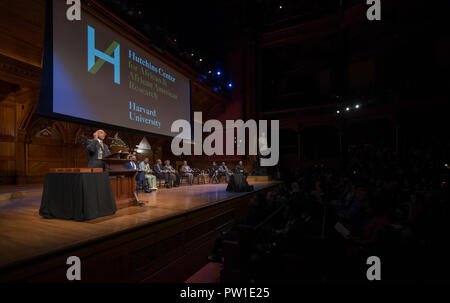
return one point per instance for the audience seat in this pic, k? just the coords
(232, 262)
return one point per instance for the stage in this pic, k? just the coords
(139, 243)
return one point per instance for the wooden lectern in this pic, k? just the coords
(123, 181)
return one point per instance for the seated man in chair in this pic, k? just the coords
(174, 177)
(212, 172)
(223, 171)
(144, 167)
(160, 173)
(186, 171)
(131, 165)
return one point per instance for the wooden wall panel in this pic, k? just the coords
(43, 151)
(42, 155)
(7, 119)
(80, 156)
(22, 25)
(40, 168)
(7, 149)
(7, 170)
(7, 162)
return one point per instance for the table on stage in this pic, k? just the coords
(82, 194)
(77, 195)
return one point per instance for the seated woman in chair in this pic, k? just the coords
(240, 169)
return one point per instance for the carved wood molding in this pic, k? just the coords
(29, 101)
(20, 73)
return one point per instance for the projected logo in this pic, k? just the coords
(94, 66)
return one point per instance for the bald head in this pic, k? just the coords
(100, 134)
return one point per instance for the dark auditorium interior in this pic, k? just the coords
(364, 144)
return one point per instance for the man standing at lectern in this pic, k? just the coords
(97, 150)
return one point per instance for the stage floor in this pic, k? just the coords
(25, 235)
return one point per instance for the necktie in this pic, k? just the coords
(101, 143)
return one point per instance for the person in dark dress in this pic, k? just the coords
(240, 169)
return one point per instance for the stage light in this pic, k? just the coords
(230, 84)
(192, 54)
(219, 73)
(357, 106)
(347, 109)
(209, 72)
(338, 111)
(281, 6)
(200, 59)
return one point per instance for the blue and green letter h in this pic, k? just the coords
(93, 66)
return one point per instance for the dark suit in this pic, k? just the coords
(129, 165)
(92, 148)
(213, 170)
(159, 174)
(239, 168)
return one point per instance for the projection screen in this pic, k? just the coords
(96, 74)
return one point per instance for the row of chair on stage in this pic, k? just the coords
(148, 176)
